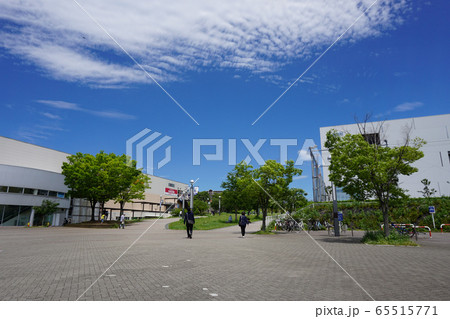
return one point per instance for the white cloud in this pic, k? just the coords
(74, 107)
(171, 37)
(51, 116)
(61, 105)
(407, 106)
(404, 107)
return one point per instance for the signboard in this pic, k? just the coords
(431, 209)
(195, 190)
(171, 191)
(340, 217)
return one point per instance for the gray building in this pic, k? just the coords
(434, 166)
(30, 174)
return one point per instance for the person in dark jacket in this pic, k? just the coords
(189, 220)
(243, 221)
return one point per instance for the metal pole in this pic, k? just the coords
(160, 204)
(182, 198)
(434, 224)
(192, 195)
(335, 212)
(219, 204)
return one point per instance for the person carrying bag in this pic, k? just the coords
(189, 220)
(243, 221)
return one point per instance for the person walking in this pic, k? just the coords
(122, 221)
(189, 220)
(243, 221)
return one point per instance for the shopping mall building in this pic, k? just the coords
(30, 174)
(434, 166)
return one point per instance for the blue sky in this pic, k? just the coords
(68, 84)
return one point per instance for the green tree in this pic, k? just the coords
(95, 178)
(295, 199)
(133, 184)
(81, 176)
(200, 207)
(427, 192)
(47, 207)
(203, 196)
(368, 170)
(273, 180)
(238, 189)
(215, 202)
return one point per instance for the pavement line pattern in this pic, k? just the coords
(315, 241)
(129, 247)
(118, 258)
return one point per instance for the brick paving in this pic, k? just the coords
(61, 263)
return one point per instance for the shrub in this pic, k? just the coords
(175, 212)
(394, 238)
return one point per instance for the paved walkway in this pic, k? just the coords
(61, 263)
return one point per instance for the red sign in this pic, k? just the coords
(171, 191)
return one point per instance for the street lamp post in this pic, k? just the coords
(192, 195)
(182, 199)
(335, 212)
(335, 208)
(219, 204)
(160, 204)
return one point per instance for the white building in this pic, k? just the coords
(30, 174)
(434, 166)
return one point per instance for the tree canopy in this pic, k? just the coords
(133, 184)
(247, 188)
(103, 177)
(47, 207)
(369, 170)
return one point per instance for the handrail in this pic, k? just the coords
(429, 229)
(442, 227)
(382, 225)
(414, 226)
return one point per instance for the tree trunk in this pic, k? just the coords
(122, 204)
(385, 210)
(93, 203)
(101, 209)
(263, 227)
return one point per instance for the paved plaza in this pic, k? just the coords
(60, 263)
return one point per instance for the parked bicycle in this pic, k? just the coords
(288, 224)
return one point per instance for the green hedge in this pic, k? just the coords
(368, 216)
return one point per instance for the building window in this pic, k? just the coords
(3, 189)
(52, 194)
(449, 156)
(373, 138)
(16, 190)
(171, 185)
(42, 192)
(29, 191)
(10, 214)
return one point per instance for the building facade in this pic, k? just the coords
(434, 166)
(30, 174)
